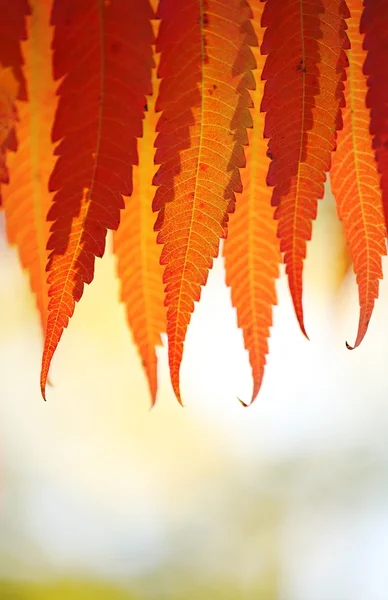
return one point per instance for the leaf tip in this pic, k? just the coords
(43, 389)
(179, 398)
(300, 317)
(44, 374)
(177, 392)
(362, 329)
(356, 343)
(245, 404)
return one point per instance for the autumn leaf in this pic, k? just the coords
(26, 199)
(374, 25)
(304, 74)
(13, 82)
(251, 250)
(355, 181)
(103, 52)
(205, 70)
(138, 254)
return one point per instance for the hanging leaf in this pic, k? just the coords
(26, 199)
(138, 254)
(205, 69)
(355, 181)
(103, 52)
(304, 75)
(251, 250)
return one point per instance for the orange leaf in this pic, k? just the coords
(251, 250)
(138, 255)
(355, 181)
(205, 69)
(26, 199)
(12, 32)
(374, 24)
(305, 67)
(103, 51)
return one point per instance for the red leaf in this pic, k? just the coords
(374, 24)
(103, 51)
(305, 69)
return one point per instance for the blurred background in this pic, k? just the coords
(287, 500)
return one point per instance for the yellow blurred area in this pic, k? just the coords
(94, 591)
(62, 591)
(286, 500)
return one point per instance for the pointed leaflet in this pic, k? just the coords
(355, 181)
(305, 67)
(12, 32)
(205, 69)
(26, 199)
(374, 24)
(103, 51)
(251, 249)
(138, 255)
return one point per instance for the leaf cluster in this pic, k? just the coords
(180, 123)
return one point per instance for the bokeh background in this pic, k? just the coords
(287, 500)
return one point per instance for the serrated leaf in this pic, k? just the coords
(304, 73)
(103, 52)
(138, 254)
(251, 250)
(355, 181)
(26, 198)
(205, 69)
